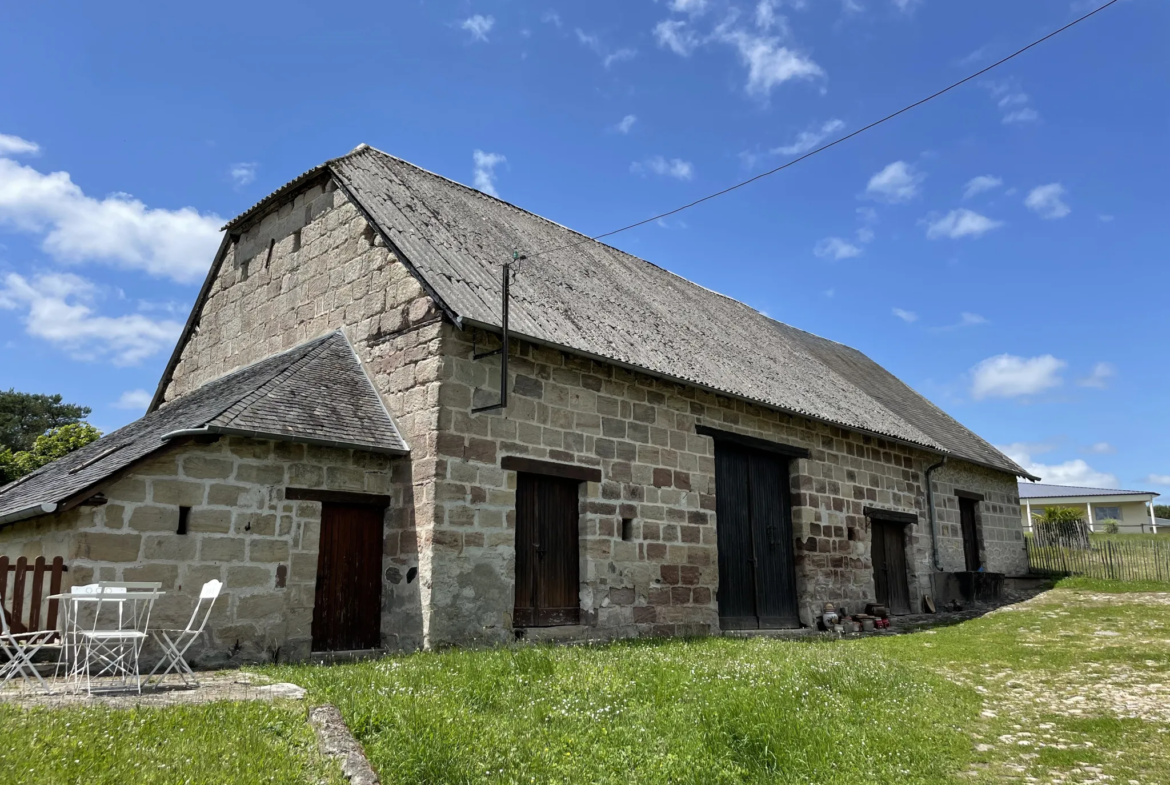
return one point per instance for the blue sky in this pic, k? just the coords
(1002, 249)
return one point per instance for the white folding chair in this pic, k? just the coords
(174, 643)
(113, 650)
(19, 648)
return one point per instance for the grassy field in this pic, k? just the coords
(210, 745)
(1070, 687)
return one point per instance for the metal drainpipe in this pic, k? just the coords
(930, 512)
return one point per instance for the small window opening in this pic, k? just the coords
(268, 258)
(411, 574)
(244, 269)
(297, 240)
(368, 234)
(627, 529)
(184, 514)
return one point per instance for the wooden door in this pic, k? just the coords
(548, 592)
(890, 578)
(970, 534)
(757, 575)
(348, 611)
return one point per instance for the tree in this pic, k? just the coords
(47, 448)
(26, 416)
(1059, 515)
(1162, 510)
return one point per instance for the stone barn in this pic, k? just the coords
(344, 439)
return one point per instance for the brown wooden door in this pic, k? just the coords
(890, 579)
(348, 611)
(547, 552)
(970, 534)
(753, 525)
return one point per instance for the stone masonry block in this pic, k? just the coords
(102, 547)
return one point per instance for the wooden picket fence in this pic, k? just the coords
(1137, 560)
(22, 603)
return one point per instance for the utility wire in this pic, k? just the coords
(834, 143)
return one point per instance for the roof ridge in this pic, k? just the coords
(227, 415)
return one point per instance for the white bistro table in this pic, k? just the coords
(104, 626)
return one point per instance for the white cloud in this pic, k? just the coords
(244, 173)
(1099, 378)
(766, 17)
(479, 26)
(1101, 448)
(59, 311)
(865, 235)
(1047, 201)
(1105, 219)
(675, 35)
(1009, 376)
(118, 229)
(906, 316)
(1157, 479)
(485, 170)
(836, 249)
(977, 185)
(1075, 472)
(960, 223)
(675, 167)
(618, 56)
(551, 18)
(769, 63)
(898, 182)
(14, 145)
(626, 124)
(692, 7)
(807, 140)
(133, 399)
(607, 58)
(971, 319)
(1013, 102)
(906, 6)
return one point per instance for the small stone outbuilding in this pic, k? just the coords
(328, 439)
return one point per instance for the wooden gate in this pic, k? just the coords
(757, 572)
(888, 549)
(348, 611)
(970, 534)
(22, 605)
(547, 551)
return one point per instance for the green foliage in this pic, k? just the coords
(25, 416)
(47, 448)
(1162, 511)
(1109, 526)
(1059, 515)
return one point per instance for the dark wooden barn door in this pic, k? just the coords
(891, 582)
(757, 575)
(348, 611)
(547, 552)
(970, 534)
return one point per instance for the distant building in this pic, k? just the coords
(1133, 510)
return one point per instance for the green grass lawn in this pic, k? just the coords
(214, 744)
(1073, 686)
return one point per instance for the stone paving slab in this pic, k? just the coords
(217, 686)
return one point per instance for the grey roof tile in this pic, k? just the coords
(1030, 490)
(316, 392)
(589, 297)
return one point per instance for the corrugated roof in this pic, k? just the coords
(1038, 490)
(315, 393)
(598, 300)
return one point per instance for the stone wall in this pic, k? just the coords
(241, 530)
(997, 518)
(658, 473)
(327, 269)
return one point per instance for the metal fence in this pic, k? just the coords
(1136, 560)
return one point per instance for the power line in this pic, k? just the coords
(834, 143)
